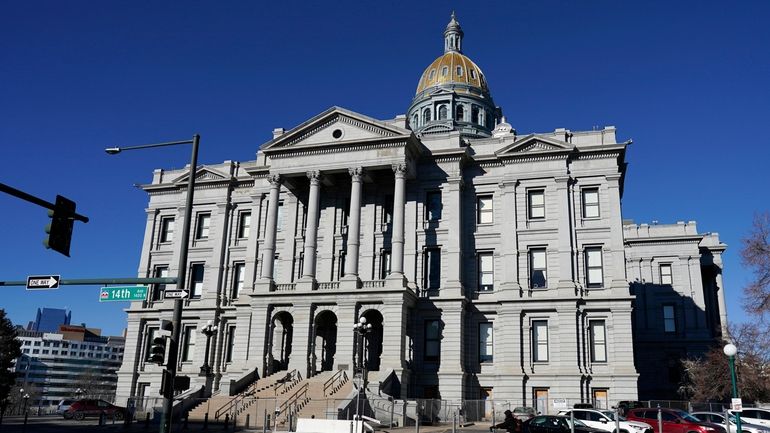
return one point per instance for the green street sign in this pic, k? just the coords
(123, 293)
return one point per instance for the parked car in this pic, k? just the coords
(674, 421)
(61, 408)
(555, 424)
(524, 413)
(582, 406)
(604, 420)
(625, 405)
(755, 415)
(90, 407)
(719, 418)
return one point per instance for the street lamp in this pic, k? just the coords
(168, 401)
(730, 350)
(26, 399)
(361, 329)
(21, 397)
(209, 330)
(78, 393)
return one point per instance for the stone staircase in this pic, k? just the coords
(217, 406)
(315, 397)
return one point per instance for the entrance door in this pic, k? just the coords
(325, 340)
(489, 404)
(540, 396)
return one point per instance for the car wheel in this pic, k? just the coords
(117, 415)
(67, 415)
(78, 416)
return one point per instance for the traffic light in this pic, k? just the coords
(60, 228)
(158, 350)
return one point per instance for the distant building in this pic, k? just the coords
(49, 320)
(54, 365)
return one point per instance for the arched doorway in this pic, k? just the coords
(281, 332)
(325, 342)
(373, 341)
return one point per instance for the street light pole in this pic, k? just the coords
(171, 366)
(361, 329)
(209, 330)
(730, 350)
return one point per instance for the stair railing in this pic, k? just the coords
(301, 393)
(339, 378)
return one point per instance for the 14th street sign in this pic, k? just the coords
(43, 282)
(125, 293)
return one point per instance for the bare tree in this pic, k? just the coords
(756, 256)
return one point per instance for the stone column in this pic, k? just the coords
(720, 287)
(354, 224)
(566, 284)
(618, 281)
(452, 251)
(509, 255)
(268, 254)
(311, 231)
(304, 318)
(397, 239)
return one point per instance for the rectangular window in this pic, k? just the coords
(666, 276)
(594, 273)
(538, 276)
(484, 209)
(166, 229)
(202, 226)
(432, 268)
(244, 224)
(486, 342)
(230, 344)
(196, 280)
(151, 332)
(341, 267)
(433, 206)
(601, 399)
(160, 271)
(669, 318)
(188, 343)
(279, 220)
(384, 264)
(540, 341)
(432, 340)
(387, 210)
(238, 276)
(536, 204)
(598, 341)
(486, 271)
(590, 202)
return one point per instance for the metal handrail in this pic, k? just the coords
(294, 397)
(340, 376)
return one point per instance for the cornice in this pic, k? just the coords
(373, 143)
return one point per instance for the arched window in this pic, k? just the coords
(426, 116)
(415, 120)
(481, 117)
(473, 74)
(459, 71)
(432, 74)
(475, 114)
(444, 71)
(442, 112)
(460, 113)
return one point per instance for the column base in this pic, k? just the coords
(350, 282)
(509, 291)
(395, 280)
(306, 284)
(453, 289)
(567, 288)
(264, 285)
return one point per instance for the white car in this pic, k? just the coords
(719, 418)
(605, 420)
(755, 415)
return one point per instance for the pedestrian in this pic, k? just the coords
(511, 424)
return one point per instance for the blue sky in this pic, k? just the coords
(687, 81)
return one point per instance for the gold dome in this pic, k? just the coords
(452, 68)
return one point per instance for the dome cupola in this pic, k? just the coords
(452, 94)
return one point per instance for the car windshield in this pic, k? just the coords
(686, 416)
(611, 415)
(578, 423)
(522, 410)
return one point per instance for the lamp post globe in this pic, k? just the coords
(730, 349)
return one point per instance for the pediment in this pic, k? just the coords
(332, 127)
(203, 174)
(535, 144)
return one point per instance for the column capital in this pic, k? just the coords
(274, 179)
(314, 176)
(399, 168)
(356, 173)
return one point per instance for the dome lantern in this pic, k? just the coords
(453, 36)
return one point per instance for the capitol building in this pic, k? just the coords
(491, 263)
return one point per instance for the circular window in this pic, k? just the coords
(337, 134)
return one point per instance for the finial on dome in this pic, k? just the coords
(453, 36)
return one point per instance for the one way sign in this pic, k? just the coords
(43, 282)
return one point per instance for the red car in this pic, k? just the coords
(674, 421)
(88, 407)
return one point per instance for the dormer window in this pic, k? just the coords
(426, 116)
(444, 71)
(459, 71)
(442, 112)
(473, 74)
(460, 113)
(432, 74)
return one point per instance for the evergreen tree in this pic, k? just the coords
(10, 350)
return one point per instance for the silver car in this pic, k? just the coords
(719, 418)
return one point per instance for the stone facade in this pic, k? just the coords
(491, 264)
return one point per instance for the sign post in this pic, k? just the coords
(125, 293)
